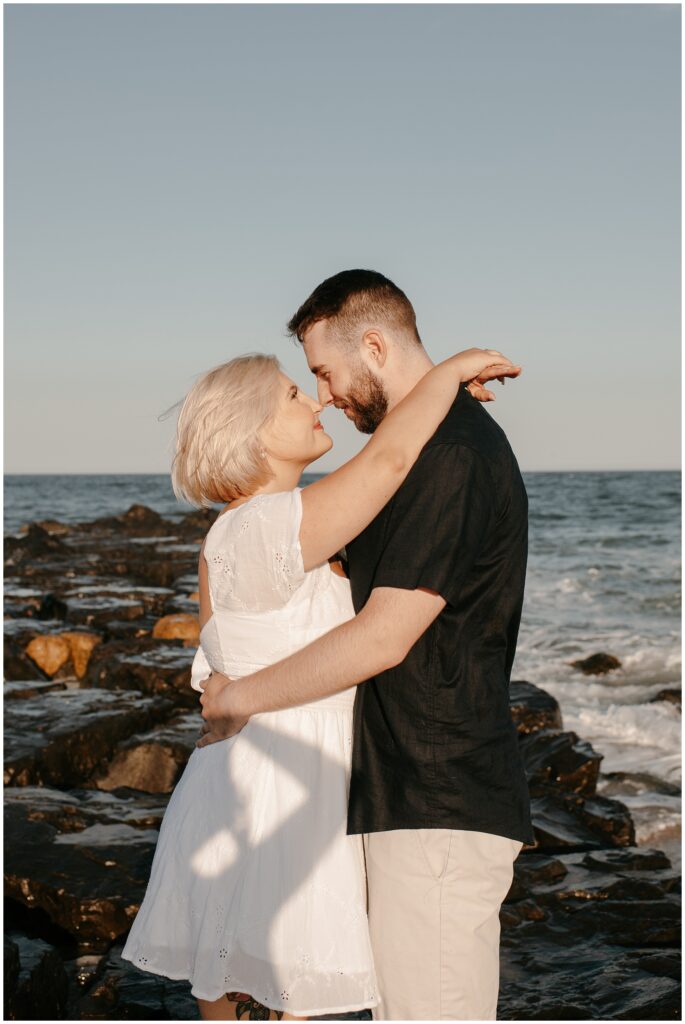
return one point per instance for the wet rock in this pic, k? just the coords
(83, 858)
(51, 607)
(580, 941)
(153, 761)
(178, 627)
(596, 664)
(81, 647)
(567, 821)
(36, 543)
(633, 859)
(97, 611)
(49, 653)
(17, 664)
(672, 695)
(122, 992)
(145, 664)
(38, 982)
(24, 689)
(557, 757)
(11, 976)
(137, 521)
(69, 735)
(533, 708)
(200, 519)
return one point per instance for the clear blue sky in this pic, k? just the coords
(179, 178)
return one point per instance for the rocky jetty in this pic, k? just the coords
(99, 723)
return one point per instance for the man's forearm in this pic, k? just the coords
(347, 655)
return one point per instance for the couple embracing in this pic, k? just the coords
(344, 833)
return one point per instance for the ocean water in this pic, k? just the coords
(603, 575)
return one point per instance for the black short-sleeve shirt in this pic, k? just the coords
(434, 742)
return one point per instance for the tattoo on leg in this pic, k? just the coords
(249, 1008)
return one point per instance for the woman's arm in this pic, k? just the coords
(337, 508)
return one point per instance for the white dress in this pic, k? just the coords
(255, 886)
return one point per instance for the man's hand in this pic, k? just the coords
(221, 717)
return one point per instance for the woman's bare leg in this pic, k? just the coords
(239, 1006)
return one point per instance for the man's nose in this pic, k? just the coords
(324, 392)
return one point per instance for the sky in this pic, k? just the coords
(179, 178)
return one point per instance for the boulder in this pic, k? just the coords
(673, 695)
(69, 735)
(122, 992)
(533, 708)
(569, 821)
(145, 664)
(24, 689)
(596, 664)
(49, 653)
(83, 858)
(153, 761)
(37, 986)
(81, 647)
(178, 627)
(551, 756)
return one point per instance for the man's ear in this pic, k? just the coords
(375, 347)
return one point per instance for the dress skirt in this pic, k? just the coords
(255, 886)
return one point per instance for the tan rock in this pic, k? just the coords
(81, 646)
(178, 627)
(195, 596)
(49, 653)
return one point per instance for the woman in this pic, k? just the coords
(255, 886)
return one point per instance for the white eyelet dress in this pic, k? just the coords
(255, 886)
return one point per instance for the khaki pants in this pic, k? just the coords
(434, 900)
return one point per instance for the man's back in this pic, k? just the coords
(435, 746)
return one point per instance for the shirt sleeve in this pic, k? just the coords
(438, 522)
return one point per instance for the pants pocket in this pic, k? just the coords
(435, 846)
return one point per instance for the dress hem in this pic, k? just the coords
(281, 1007)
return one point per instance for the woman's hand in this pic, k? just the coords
(478, 365)
(222, 717)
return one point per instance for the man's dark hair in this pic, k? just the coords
(354, 298)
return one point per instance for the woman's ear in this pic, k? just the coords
(375, 347)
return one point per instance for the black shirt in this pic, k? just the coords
(434, 741)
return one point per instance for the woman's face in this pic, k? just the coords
(295, 433)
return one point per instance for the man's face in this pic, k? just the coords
(344, 378)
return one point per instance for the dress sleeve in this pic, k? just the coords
(200, 670)
(439, 522)
(261, 567)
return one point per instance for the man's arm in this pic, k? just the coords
(378, 638)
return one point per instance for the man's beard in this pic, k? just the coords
(367, 400)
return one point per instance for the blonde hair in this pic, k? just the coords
(218, 451)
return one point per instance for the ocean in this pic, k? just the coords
(603, 575)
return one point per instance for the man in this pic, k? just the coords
(438, 787)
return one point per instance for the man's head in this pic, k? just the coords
(359, 335)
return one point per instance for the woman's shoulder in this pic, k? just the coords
(280, 510)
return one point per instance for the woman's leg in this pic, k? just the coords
(239, 1006)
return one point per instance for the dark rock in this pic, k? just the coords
(146, 664)
(24, 689)
(38, 990)
(36, 543)
(533, 708)
(596, 664)
(153, 761)
(201, 519)
(11, 976)
(67, 736)
(672, 695)
(17, 664)
(557, 757)
(122, 992)
(633, 859)
(52, 607)
(83, 857)
(567, 821)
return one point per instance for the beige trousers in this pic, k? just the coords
(434, 900)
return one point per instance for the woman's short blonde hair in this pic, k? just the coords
(218, 450)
